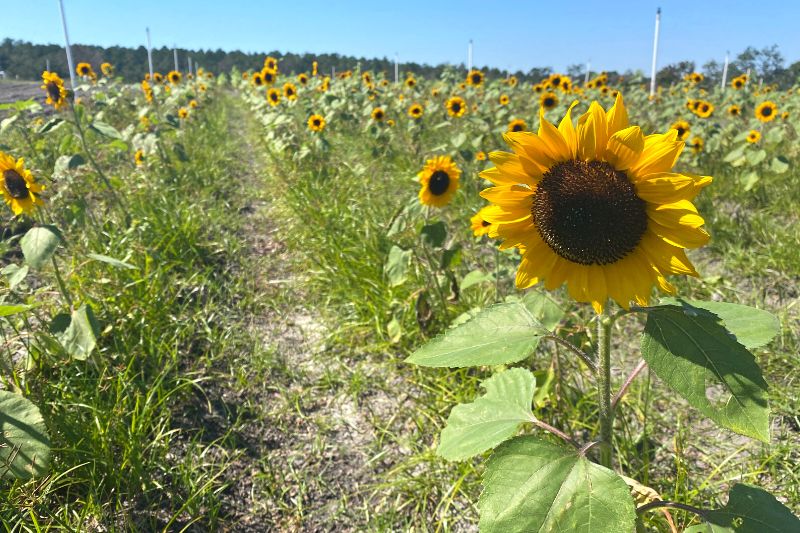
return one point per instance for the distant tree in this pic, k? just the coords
(674, 72)
(765, 63)
(576, 72)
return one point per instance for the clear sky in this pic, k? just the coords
(614, 35)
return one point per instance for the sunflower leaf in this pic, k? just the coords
(475, 427)
(698, 358)
(39, 245)
(80, 337)
(749, 510)
(24, 444)
(503, 333)
(533, 485)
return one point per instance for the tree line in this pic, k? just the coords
(25, 60)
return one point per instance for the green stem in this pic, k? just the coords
(606, 413)
(61, 286)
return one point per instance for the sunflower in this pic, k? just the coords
(85, 70)
(512, 81)
(366, 77)
(554, 80)
(316, 123)
(766, 111)
(456, 106)
(193, 104)
(478, 224)
(538, 88)
(734, 110)
(390, 123)
(378, 115)
(202, 87)
(435, 92)
(245, 75)
(683, 128)
(290, 91)
(314, 66)
(480, 156)
(517, 125)
(475, 78)
(158, 77)
(138, 157)
(174, 77)
(697, 145)
(704, 109)
(107, 69)
(411, 82)
(566, 84)
(273, 96)
(271, 63)
(504, 99)
(754, 136)
(597, 207)
(269, 76)
(439, 181)
(20, 190)
(548, 100)
(147, 90)
(738, 82)
(54, 87)
(785, 115)
(302, 78)
(416, 111)
(183, 112)
(257, 79)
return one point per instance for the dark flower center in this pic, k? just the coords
(485, 223)
(53, 91)
(767, 111)
(456, 107)
(549, 102)
(588, 213)
(517, 127)
(15, 184)
(439, 182)
(681, 132)
(476, 79)
(316, 122)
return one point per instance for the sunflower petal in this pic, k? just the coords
(568, 131)
(669, 187)
(617, 116)
(625, 147)
(592, 133)
(557, 147)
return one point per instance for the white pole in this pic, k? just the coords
(189, 60)
(655, 55)
(725, 71)
(396, 67)
(588, 70)
(66, 42)
(333, 73)
(48, 65)
(748, 78)
(469, 56)
(175, 55)
(149, 53)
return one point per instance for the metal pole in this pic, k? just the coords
(189, 60)
(70, 65)
(748, 78)
(588, 70)
(725, 72)
(469, 56)
(175, 55)
(149, 53)
(48, 65)
(655, 55)
(396, 67)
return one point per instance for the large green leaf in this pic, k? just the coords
(752, 327)
(544, 308)
(697, 357)
(80, 337)
(24, 444)
(396, 266)
(39, 245)
(473, 428)
(531, 485)
(503, 333)
(749, 510)
(106, 129)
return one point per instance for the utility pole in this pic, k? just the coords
(149, 53)
(70, 65)
(655, 55)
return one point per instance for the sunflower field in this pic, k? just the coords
(264, 300)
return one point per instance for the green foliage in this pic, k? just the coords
(475, 427)
(24, 444)
(534, 485)
(39, 245)
(697, 357)
(749, 510)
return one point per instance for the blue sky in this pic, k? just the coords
(614, 35)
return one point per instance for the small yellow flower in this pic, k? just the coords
(439, 181)
(193, 104)
(85, 70)
(290, 91)
(378, 115)
(766, 111)
(548, 100)
(475, 78)
(697, 145)
(273, 96)
(107, 69)
(734, 110)
(138, 157)
(316, 123)
(302, 79)
(503, 99)
(480, 156)
(683, 128)
(517, 125)
(478, 224)
(456, 106)
(175, 77)
(183, 112)
(54, 87)
(754, 136)
(416, 111)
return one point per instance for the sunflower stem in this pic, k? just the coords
(61, 286)
(606, 413)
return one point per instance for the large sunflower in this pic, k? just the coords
(19, 188)
(766, 111)
(734, 110)
(739, 81)
(257, 79)
(378, 114)
(54, 86)
(174, 77)
(439, 181)
(269, 76)
(704, 109)
(271, 63)
(456, 106)
(597, 207)
(85, 70)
